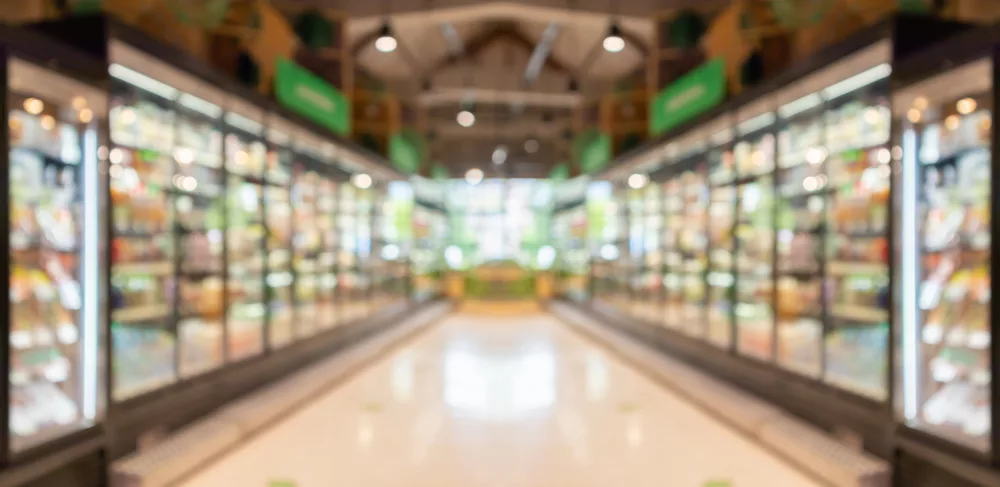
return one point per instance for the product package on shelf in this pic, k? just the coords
(53, 255)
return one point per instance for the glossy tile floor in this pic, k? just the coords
(500, 402)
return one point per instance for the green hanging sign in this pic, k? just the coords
(301, 91)
(560, 172)
(696, 92)
(596, 154)
(440, 173)
(404, 154)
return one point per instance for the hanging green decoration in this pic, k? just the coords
(313, 29)
(203, 13)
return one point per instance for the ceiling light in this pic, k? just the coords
(466, 118)
(913, 115)
(34, 106)
(500, 155)
(474, 176)
(966, 106)
(614, 42)
(920, 103)
(637, 180)
(361, 180)
(531, 146)
(386, 42)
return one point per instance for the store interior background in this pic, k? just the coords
(206, 196)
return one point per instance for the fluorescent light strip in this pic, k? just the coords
(755, 123)
(798, 106)
(857, 81)
(201, 106)
(142, 81)
(909, 276)
(278, 137)
(722, 137)
(244, 123)
(91, 276)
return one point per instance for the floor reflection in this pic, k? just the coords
(499, 385)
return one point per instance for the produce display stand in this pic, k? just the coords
(234, 245)
(755, 239)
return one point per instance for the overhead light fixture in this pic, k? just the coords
(500, 155)
(361, 180)
(474, 176)
(386, 42)
(966, 106)
(531, 146)
(613, 42)
(466, 118)
(637, 181)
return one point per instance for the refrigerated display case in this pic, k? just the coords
(719, 280)
(945, 203)
(247, 290)
(753, 234)
(56, 262)
(282, 321)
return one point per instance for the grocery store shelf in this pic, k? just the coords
(838, 267)
(146, 268)
(860, 313)
(141, 313)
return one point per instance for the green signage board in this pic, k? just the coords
(691, 95)
(596, 154)
(404, 154)
(301, 91)
(440, 172)
(560, 172)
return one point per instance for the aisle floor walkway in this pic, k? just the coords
(482, 401)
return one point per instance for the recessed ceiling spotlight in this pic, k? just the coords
(531, 146)
(500, 155)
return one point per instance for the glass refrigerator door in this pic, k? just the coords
(754, 235)
(802, 184)
(55, 199)
(673, 256)
(651, 265)
(364, 251)
(347, 260)
(719, 280)
(327, 276)
(946, 203)
(857, 249)
(246, 315)
(143, 283)
(308, 244)
(693, 246)
(199, 207)
(632, 273)
(280, 289)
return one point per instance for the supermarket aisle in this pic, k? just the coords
(494, 402)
